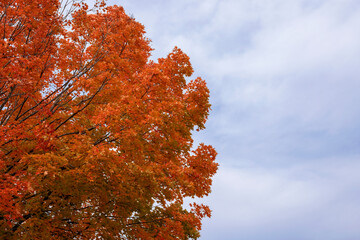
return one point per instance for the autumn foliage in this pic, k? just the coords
(95, 138)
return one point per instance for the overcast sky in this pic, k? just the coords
(284, 78)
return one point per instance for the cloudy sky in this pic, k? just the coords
(284, 78)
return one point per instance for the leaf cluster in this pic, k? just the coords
(96, 139)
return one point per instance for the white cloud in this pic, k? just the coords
(284, 80)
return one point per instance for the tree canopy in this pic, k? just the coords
(95, 138)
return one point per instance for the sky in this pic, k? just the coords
(284, 79)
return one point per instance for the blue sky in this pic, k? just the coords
(284, 78)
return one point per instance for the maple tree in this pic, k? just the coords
(95, 138)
